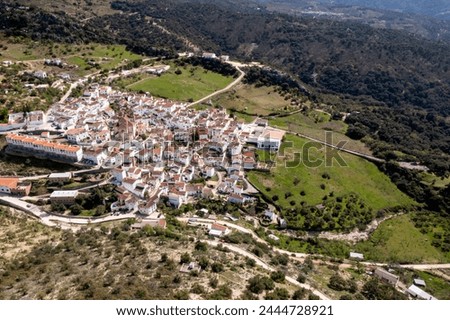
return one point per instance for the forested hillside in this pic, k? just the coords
(381, 69)
(400, 82)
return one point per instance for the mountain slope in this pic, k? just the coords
(400, 81)
(436, 8)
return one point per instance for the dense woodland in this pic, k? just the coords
(401, 82)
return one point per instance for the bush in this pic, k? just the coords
(224, 292)
(250, 262)
(217, 267)
(278, 294)
(185, 258)
(203, 262)
(197, 288)
(301, 278)
(213, 282)
(299, 294)
(258, 284)
(201, 246)
(278, 276)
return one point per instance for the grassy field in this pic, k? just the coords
(433, 180)
(250, 99)
(359, 176)
(314, 123)
(397, 240)
(107, 56)
(193, 83)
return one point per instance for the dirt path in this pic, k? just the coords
(265, 266)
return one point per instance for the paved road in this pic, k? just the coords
(231, 85)
(264, 265)
(52, 220)
(44, 176)
(426, 266)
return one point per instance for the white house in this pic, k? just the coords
(149, 207)
(236, 198)
(129, 183)
(177, 198)
(40, 74)
(218, 230)
(76, 135)
(234, 148)
(96, 156)
(50, 149)
(270, 139)
(118, 174)
(416, 292)
(209, 172)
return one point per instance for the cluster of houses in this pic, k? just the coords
(19, 120)
(415, 290)
(153, 147)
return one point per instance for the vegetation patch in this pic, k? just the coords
(293, 180)
(185, 83)
(254, 100)
(340, 213)
(397, 240)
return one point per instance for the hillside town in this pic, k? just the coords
(151, 147)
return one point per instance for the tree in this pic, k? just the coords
(203, 262)
(58, 207)
(250, 262)
(76, 209)
(247, 295)
(201, 246)
(374, 289)
(100, 210)
(258, 284)
(213, 282)
(181, 295)
(277, 294)
(299, 294)
(301, 277)
(197, 288)
(278, 276)
(337, 283)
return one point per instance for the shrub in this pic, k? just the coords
(278, 276)
(217, 267)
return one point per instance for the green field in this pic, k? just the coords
(433, 180)
(397, 240)
(107, 56)
(193, 83)
(314, 124)
(360, 177)
(253, 100)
